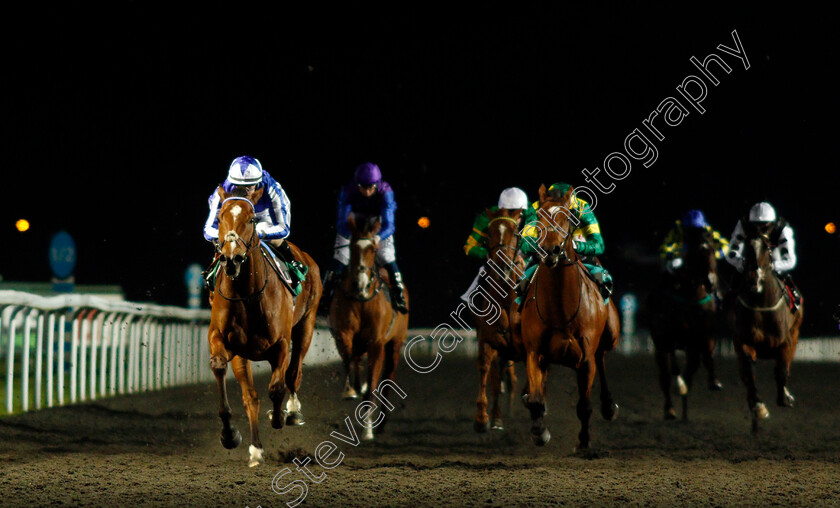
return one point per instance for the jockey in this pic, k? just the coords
(367, 194)
(586, 238)
(671, 250)
(512, 198)
(780, 233)
(273, 209)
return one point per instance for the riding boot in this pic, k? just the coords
(397, 287)
(605, 284)
(331, 278)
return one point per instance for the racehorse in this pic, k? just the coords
(762, 322)
(363, 320)
(255, 317)
(565, 321)
(496, 348)
(684, 317)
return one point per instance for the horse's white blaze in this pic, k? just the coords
(293, 404)
(364, 279)
(257, 456)
(553, 210)
(235, 211)
(502, 230)
(364, 243)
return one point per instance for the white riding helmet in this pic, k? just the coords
(245, 171)
(762, 212)
(513, 198)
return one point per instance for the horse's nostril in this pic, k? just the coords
(238, 259)
(556, 249)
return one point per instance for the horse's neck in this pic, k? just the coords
(771, 291)
(561, 287)
(498, 287)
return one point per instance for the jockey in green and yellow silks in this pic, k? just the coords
(587, 239)
(671, 250)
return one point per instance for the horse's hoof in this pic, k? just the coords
(497, 424)
(276, 423)
(542, 438)
(715, 385)
(786, 400)
(609, 411)
(480, 427)
(295, 419)
(350, 394)
(231, 441)
(670, 414)
(682, 388)
(760, 411)
(367, 435)
(257, 456)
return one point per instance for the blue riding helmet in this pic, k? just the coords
(694, 219)
(367, 174)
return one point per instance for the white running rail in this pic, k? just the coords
(102, 347)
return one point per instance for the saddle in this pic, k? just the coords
(290, 274)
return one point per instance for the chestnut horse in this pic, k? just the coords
(763, 325)
(363, 320)
(496, 348)
(255, 317)
(565, 321)
(684, 317)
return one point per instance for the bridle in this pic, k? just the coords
(373, 277)
(766, 243)
(248, 247)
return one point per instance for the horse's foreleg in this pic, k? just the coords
(585, 377)
(692, 364)
(534, 398)
(746, 369)
(376, 357)
(344, 342)
(709, 364)
(242, 370)
(664, 367)
(391, 359)
(609, 408)
(230, 437)
(301, 338)
(782, 373)
(277, 385)
(509, 371)
(495, 379)
(485, 358)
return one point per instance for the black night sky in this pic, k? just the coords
(118, 123)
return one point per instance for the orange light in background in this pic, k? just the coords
(830, 228)
(423, 222)
(22, 225)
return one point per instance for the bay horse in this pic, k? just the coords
(565, 321)
(496, 348)
(363, 320)
(255, 317)
(684, 317)
(762, 322)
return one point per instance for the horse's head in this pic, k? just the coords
(556, 227)
(237, 228)
(363, 249)
(700, 261)
(503, 237)
(758, 259)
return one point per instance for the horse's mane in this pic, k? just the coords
(238, 192)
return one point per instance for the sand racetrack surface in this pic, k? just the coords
(162, 448)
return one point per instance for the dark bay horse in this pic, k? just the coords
(496, 348)
(363, 320)
(565, 321)
(762, 322)
(684, 317)
(254, 317)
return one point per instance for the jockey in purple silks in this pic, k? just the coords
(366, 195)
(273, 209)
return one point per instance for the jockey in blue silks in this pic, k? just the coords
(273, 209)
(366, 195)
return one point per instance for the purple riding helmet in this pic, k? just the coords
(367, 174)
(694, 219)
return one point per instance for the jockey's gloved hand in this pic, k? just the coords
(261, 229)
(377, 239)
(673, 265)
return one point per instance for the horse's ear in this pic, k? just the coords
(351, 223)
(568, 193)
(543, 194)
(221, 192)
(257, 195)
(489, 213)
(377, 225)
